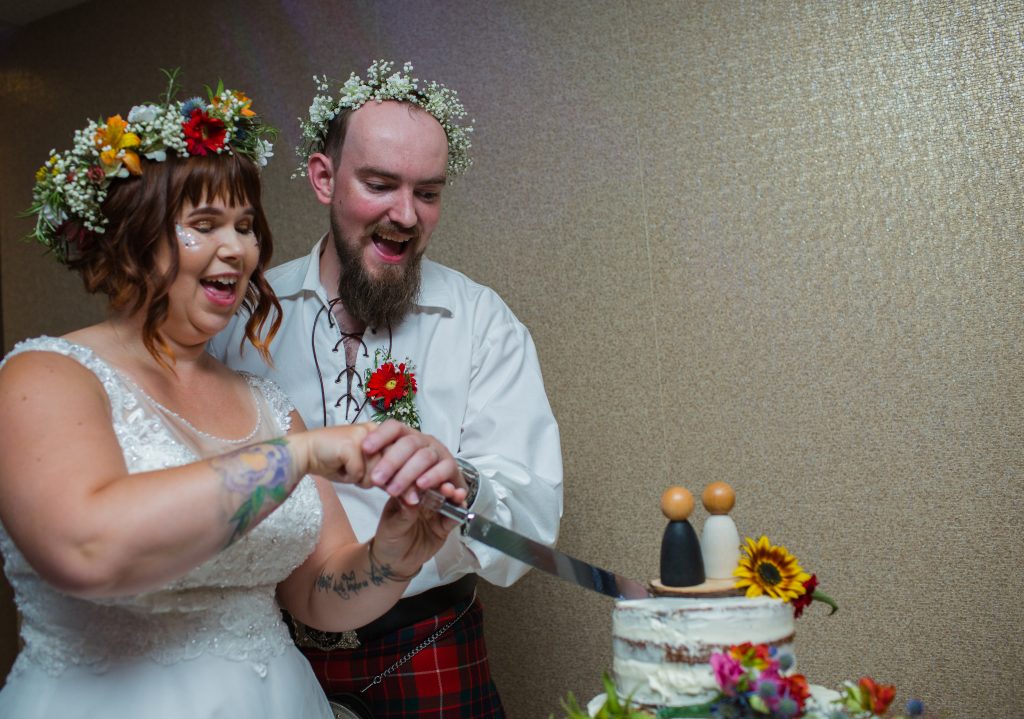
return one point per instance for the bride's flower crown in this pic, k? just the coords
(383, 84)
(71, 186)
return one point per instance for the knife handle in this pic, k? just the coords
(435, 501)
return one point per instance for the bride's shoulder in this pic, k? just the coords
(50, 351)
(45, 367)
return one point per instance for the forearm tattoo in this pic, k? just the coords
(346, 586)
(260, 473)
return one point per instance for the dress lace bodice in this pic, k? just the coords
(224, 607)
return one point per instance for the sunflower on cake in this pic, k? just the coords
(716, 640)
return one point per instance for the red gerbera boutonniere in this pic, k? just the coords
(203, 133)
(391, 390)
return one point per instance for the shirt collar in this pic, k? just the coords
(434, 292)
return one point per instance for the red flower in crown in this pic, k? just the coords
(203, 133)
(389, 384)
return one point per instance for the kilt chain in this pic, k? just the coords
(419, 648)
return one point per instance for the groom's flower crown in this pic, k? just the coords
(383, 84)
(71, 186)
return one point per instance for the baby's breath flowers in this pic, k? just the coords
(71, 186)
(382, 84)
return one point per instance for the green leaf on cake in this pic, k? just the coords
(613, 707)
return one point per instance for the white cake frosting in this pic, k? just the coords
(662, 646)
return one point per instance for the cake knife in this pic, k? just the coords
(547, 559)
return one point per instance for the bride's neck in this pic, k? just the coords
(125, 334)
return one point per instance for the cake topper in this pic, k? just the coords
(682, 564)
(719, 538)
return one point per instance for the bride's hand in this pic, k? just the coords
(336, 453)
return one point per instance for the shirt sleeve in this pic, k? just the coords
(510, 435)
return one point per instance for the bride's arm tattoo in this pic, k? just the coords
(261, 474)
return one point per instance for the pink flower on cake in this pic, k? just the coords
(728, 672)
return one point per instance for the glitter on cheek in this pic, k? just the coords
(186, 237)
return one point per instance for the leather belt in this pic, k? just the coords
(406, 612)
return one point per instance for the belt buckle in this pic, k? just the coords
(325, 641)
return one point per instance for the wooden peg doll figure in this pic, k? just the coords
(719, 539)
(682, 564)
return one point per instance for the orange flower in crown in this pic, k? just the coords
(114, 145)
(240, 100)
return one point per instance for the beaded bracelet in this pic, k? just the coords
(374, 562)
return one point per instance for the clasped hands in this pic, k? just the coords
(395, 457)
(403, 462)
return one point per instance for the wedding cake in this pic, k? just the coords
(716, 636)
(662, 646)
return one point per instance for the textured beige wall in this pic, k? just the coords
(769, 243)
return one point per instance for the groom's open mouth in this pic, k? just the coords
(390, 248)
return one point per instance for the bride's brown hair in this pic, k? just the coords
(141, 213)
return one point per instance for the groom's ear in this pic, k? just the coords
(320, 172)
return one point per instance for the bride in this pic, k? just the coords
(158, 509)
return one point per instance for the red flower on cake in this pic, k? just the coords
(798, 690)
(804, 600)
(879, 696)
(389, 384)
(203, 133)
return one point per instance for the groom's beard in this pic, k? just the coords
(376, 301)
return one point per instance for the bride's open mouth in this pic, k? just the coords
(220, 290)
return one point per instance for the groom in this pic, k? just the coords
(372, 329)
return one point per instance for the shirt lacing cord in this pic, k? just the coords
(348, 372)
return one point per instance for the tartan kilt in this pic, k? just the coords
(451, 676)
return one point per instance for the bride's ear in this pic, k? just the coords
(320, 172)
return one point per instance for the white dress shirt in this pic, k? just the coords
(480, 393)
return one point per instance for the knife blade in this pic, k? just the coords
(547, 559)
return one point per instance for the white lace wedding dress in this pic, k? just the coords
(210, 644)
